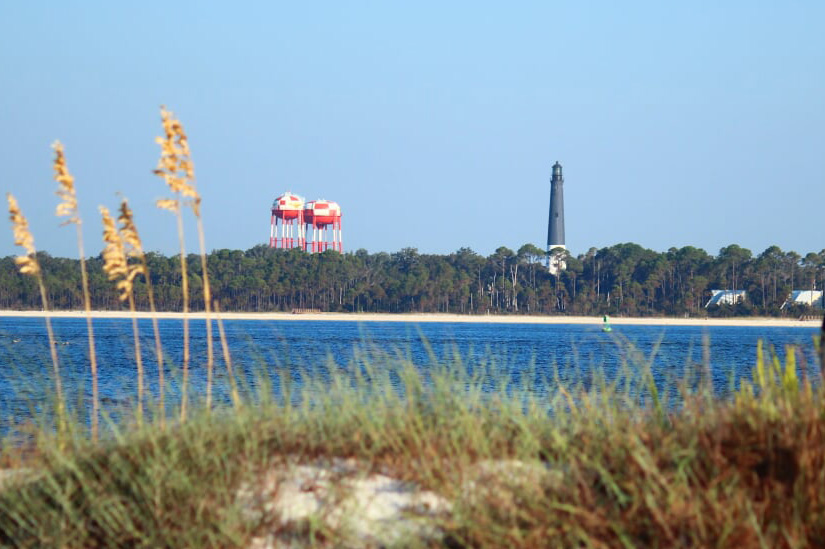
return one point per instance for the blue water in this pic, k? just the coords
(535, 354)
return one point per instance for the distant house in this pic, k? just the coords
(811, 298)
(726, 297)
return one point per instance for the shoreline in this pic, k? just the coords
(439, 318)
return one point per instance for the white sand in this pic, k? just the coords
(442, 317)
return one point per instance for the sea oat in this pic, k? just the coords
(128, 230)
(29, 265)
(22, 237)
(173, 147)
(177, 170)
(134, 248)
(175, 165)
(168, 204)
(68, 208)
(65, 190)
(117, 268)
(114, 256)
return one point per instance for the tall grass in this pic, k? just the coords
(131, 238)
(68, 208)
(175, 167)
(227, 358)
(29, 265)
(117, 267)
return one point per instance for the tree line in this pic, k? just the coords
(624, 279)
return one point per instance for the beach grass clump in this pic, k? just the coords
(149, 489)
(741, 474)
(564, 469)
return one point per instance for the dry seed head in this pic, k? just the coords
(175, 164)
(22, 237)
(128, 231)
(65, 190)
(167, 204)
(114, 256)
(135, 269)
(131, 240)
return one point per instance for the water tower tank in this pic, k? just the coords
(288, 206)
(324, 216)
(288, 215)
(321, 212)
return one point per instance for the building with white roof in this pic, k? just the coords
(811, 298)
(726, 297)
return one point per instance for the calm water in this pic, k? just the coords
(526, 352)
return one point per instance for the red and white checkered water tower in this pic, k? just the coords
(288, 215)
(324, 217)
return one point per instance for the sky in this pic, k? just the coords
(433, 124)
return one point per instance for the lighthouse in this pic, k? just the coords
(555, 224)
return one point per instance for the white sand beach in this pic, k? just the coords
(445, 317)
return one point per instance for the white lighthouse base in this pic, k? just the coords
(556, 259)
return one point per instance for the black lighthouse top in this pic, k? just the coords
(557, 173)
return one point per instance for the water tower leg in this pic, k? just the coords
(314, 238)
(279, 226)
(340, 237)
(302, 240)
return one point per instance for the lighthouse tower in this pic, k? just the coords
(555, 225)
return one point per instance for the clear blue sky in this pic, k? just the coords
(433, 124)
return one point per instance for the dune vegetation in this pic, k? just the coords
(615, 462)
(598, 465)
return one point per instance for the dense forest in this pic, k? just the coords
(625, 279)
